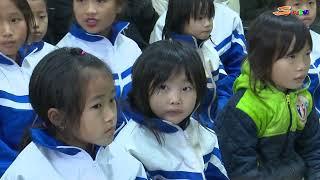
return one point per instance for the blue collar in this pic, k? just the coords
(140, 119)
(116, 29)
(23, 52)
(188, 39)
(40, 137)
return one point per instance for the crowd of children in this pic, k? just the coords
(199, 102)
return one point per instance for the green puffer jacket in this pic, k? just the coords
(272, 135)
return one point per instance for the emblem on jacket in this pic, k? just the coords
(302, 108)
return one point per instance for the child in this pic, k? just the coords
(308, 19)
(168, 82)
(75, 122)
(195, 28)
(227, 37)
(15, 71)
(96, 31)
(269, 128)
(38, 31)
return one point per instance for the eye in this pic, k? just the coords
(15, 20)
(311, 2)
(97, 106)
(43, 17)
(101, 1)
(308, 53)
(163, 87)
(112, 100)
(292, 56)
(187, 88)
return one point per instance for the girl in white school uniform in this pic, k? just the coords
(15, 71)
(168, 83)
(38, 31)
(73, 94)
(97, 31)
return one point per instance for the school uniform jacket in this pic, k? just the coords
(269, 136)
(15, 110)
(228, 39)
(119, 52)
(48, 158)
(192, 153)
(314, 71)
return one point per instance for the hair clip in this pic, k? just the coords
(82, 53)
(283, 11)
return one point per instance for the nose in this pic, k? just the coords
(36, 24)
(6, 30)
(175, 97)
(206, 22)
(110, 115)
(91, 9)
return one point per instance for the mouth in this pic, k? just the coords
(8, 44)
(91, 22)
(300, 78)
(110, 131)
(174, 112)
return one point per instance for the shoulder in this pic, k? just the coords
(21, 167)
(127, 44)
(68, 41)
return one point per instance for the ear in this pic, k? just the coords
(55, 117)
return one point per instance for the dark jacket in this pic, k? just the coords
(271, 136)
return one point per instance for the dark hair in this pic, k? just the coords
(180, 11)
(60, 81)
(24, 7)
(278, 3)
(269, 39)
(155, 65)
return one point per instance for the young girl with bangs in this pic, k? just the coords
(270, 128)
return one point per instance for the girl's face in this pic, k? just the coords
(310, 5)
(175, 99)
(39, 11)
(199, 28)
(98, 119)
(13, 29)
(96, 16)
(290, 71)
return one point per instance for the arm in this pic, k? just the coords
(7, 156)
(308, 146)
(237, 135)
(232, 58)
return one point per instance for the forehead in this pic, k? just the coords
(98, 83)
(37, 5)
(8, 7)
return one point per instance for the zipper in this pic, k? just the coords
(289, 127)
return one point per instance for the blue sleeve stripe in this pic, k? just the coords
(316, 63)
(239, 36)
(216, 152)
(126, 73)
(229, 39)
(15, 98)
(176, 175)
(213, 172)
(223, 43)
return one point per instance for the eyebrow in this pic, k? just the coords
(113, 92)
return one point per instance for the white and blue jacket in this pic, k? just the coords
(48, 158)
(228, 39)
(314, 71)
(192, 153)
(15, 110)
(119, 52)
(215, 96)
